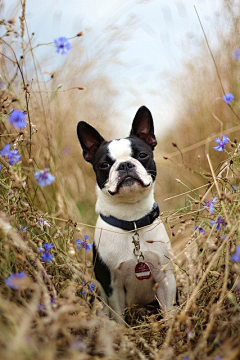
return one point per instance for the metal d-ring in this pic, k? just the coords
(140, 256)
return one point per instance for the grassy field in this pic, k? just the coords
(49, 302)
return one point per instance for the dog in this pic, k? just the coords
(131, 250)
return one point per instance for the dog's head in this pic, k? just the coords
(123, 167)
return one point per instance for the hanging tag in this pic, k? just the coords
(142, 271)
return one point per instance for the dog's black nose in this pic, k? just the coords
(125, 166)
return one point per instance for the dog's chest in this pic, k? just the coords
(115, 249)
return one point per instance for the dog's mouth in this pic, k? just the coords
(128, 182)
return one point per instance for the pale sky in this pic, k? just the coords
(164, 34)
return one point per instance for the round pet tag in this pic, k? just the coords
(142, 271)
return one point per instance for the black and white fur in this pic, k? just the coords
(125, 172)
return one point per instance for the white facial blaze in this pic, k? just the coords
(120, 149)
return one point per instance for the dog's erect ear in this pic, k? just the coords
(142, 126)
(90, 140)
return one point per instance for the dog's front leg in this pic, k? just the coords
(117, 303)
(166, 292)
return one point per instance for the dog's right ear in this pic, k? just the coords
(90, 140)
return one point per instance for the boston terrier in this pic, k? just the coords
(132, 251)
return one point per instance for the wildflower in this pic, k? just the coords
(91, 287)
(62, 45)
(219, 222)
(44, 177)
(84, 291)
(42, 223)
(84, 244)
(13, 280)
(228, 98)
(11, 155)
(210, 205)
(236, 256)
(234, 188)
(221, 143)
(46, 256)
(42, 308)
(236, 54)
(22, 229)
(48, 246)
(5, 150)
(53, 301)
(18, 119)
(200, 229)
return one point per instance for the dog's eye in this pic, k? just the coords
(104, 165)
(142, 156)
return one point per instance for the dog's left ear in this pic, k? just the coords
(143, 128)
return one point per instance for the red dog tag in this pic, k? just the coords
(142, 271)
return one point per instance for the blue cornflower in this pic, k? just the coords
(234, 188)
(91, 288)
(53, 301)
(44, 177)
(221, 143)
(84, 244)
(11, 281)
(200, 229)
(11, 155)
(210, 205)
(5, 150)
(84, 291)
(219, 222)
(62, 45)
(18, 119)
(42, 223)
(42, 308)
(228, 98)
(236, 256)
(22, 228)
(47, 246)
(46, 256)
(236, 54)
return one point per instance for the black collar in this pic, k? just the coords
(130, 225)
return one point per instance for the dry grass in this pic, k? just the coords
(73, 326)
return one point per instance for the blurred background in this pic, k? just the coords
(131, 53)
